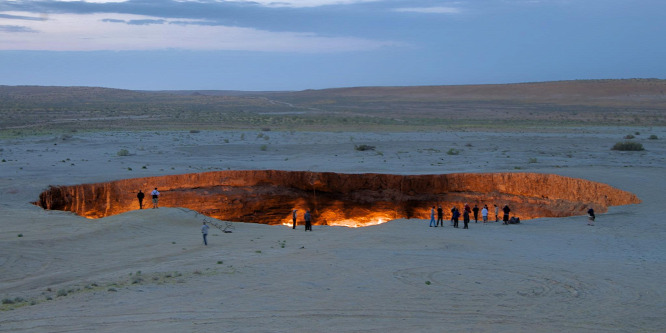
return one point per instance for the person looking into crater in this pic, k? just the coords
(156, 196)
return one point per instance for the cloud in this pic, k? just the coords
(115, 32)
(93, 1)
(21, 17)
(430, 10)
(287, 3)
(15, 28)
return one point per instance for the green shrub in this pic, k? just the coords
(653, 137)
(453, 151)
(628, 146)
(364, 147)
(123, 152)
(629, 136)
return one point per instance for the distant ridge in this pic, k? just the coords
(587, 91)
(637, 102)
(618, 89)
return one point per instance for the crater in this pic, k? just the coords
(353, 200)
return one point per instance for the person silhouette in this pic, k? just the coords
(140, 196)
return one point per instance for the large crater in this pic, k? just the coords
(269, 196)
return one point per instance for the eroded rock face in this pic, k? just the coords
(269, 196)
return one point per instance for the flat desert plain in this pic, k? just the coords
(147, 270)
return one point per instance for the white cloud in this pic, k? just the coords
(289, 3)
(430, 10)
(94, 1)
(94, 32)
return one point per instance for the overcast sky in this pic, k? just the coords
(313, 44)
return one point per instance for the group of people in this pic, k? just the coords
(307, 217)
(155, 194)
(467, 210)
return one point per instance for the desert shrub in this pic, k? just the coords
(653, 137)
(364, 147)
(7, 301)
(61, 292)
(453, 151)
(266, 129)
(628, 146)
(532, 160)
(629, 136)
(263, 147)
(123, 152)
(194, 131)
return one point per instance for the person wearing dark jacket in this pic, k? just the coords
(456, 216)
(590, 219)
(140, 196)
(440, 216)
(506, 211)
(475, 210)
(308, 221)
(466, 219)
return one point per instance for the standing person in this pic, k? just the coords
(476, 213)
(590, 219)
(156, 196)
(455, 216)
(453, 209)
(506, 211)
(440, 216)
(466, 220)
(308, 220)
(293, 217)
(467, 209)
(496, 213)
(140, 196)
(204, 232)
(484, 213)
(432, 217)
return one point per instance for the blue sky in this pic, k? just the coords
(314, 44)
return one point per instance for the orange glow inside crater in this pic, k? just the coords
(335, 199)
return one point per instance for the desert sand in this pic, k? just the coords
(148, 269)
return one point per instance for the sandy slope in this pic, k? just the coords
(149, 270)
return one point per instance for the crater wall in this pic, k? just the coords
(269, 196)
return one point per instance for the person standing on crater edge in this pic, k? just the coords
(293, 217)
(590, 219)
(466, 219)
(156, 196)
(308, 220)
(455, 216)
(475, 210)
(204, 232)
(140, 196)
(506, 211)
(440, 216)
(432, 217)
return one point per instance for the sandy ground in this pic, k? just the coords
(148, 270)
